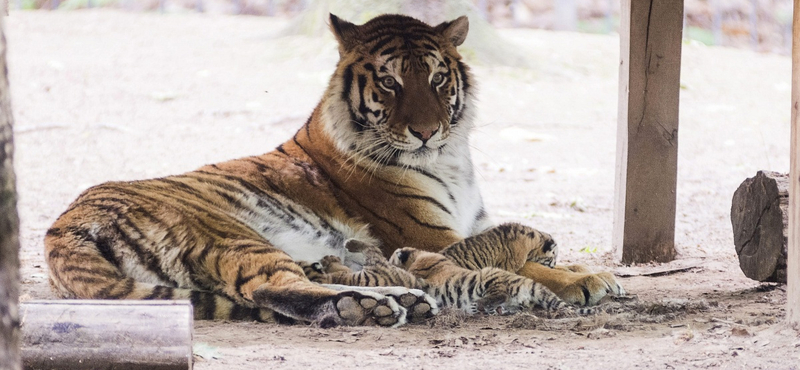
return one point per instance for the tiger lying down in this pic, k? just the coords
(383, 160)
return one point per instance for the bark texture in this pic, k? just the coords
(9, 226)
(760, 218)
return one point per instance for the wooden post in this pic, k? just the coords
(82, 334)
(9, 227)
(793, 273)
(647, 135)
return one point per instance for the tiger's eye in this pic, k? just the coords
(437, 78)
(388, 81)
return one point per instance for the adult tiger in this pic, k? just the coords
(391, 129)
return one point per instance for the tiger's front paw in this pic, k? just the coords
(586, 288)
(574, 284)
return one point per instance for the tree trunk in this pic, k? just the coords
(9, 227)
(759, 216)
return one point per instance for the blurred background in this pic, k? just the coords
(761, 25)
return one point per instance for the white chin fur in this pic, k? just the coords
(418, 159)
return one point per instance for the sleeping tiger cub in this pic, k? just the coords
(489, 290)
(384, 159)
(475, 274)
(529, 252)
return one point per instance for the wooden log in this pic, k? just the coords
(647, 130)
(84, 334)
(760, 219)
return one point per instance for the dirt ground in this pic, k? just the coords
(106, 95)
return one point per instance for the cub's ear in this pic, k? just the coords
(549, 244)
(402, 255)
(346, 33)
(455, 31)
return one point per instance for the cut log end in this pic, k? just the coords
(759, 217)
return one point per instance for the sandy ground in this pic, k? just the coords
(104, 95)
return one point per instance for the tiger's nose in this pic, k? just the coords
(423, 135)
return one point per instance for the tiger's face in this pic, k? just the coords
(418, 262)
(543, 249)
(400, 93)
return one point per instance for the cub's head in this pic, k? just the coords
(542, 248)
(404, 258)
(400, 93)
(419, 263)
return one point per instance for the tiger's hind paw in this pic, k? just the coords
(366, 308)
(328, 307)
(419, 305)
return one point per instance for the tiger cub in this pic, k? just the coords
(508, 246)
(475, 275)
(489, 290)
(532, 253)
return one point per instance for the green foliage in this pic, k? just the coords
(80, 4)
(29, 4)
(588, 249)
(698, 34)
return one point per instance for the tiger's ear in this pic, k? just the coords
(455, 30)
(346, 33)
(549, 244)
(402, 255)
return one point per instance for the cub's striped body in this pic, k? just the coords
(489, 290)
(383, 159)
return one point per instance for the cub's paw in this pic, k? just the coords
(571, 311)
(365, 308)
(329, 261)
(494, 304)
(314, 271)
(589, 288)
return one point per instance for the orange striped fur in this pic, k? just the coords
(383, 159)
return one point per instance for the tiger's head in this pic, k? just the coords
(418, 262)
(400, 93)
(541, 247)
